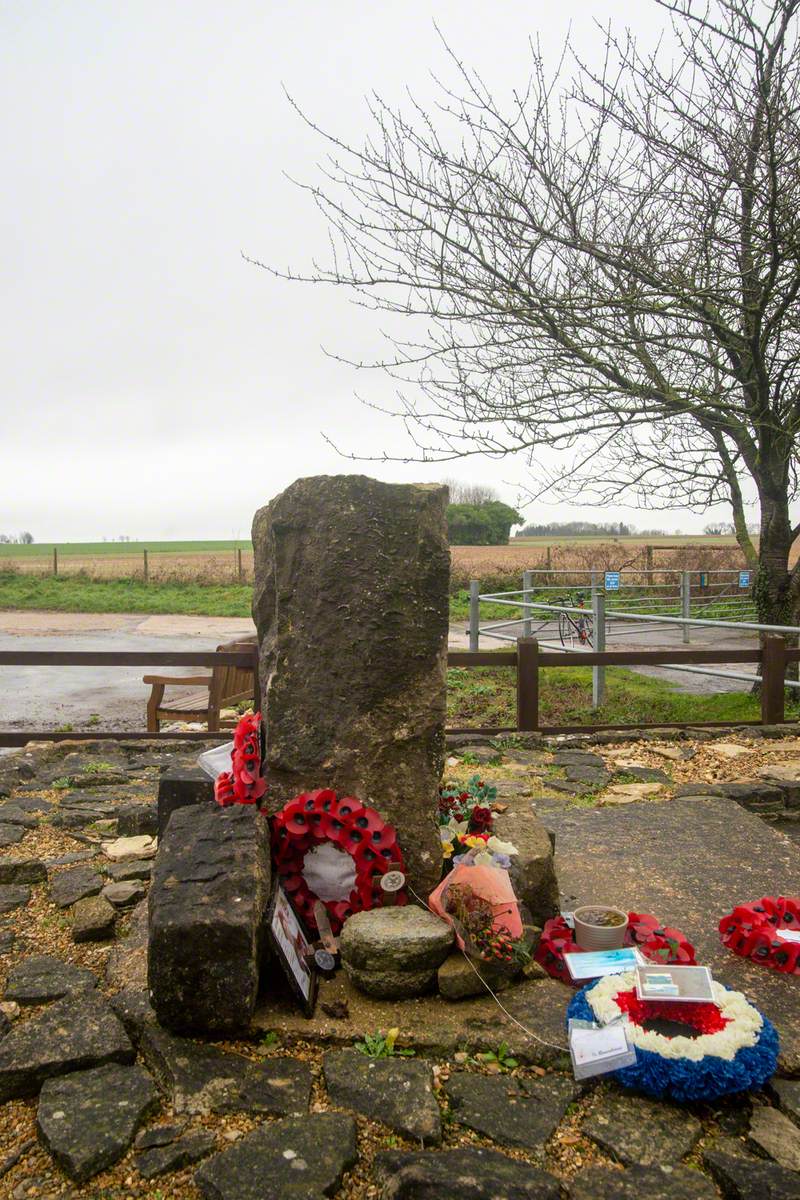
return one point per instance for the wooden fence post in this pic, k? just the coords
(648, 558)
(527, 684)
(55, 561)
(239, 565)
(146, 568)
(773, 670)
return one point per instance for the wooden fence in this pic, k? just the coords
(527, 659)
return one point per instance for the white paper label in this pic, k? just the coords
(788, 935)
(593, 1045)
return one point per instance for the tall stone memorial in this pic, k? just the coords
(351, 607)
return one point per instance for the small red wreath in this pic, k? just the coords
(702, 1018)
(244, 783)
(317, 817)
(657, 942)
(751, 929)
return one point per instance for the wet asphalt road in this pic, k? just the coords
(46, 698)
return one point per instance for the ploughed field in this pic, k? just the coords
(217, 562)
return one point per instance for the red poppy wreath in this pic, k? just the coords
(334, 849)
(754, 931)
(657, 942)
(244, 783)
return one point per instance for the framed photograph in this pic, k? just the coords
(291, 948)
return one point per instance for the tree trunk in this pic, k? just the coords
(776, 587)
(776, 598)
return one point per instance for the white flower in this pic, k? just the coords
(497, 847)
(744, 1028)
(483, 859)
(454, 829)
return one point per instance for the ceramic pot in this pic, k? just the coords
(599, 937)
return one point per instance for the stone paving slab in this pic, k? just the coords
(688, 861)
(431, 1024)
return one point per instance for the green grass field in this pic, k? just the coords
(76, 593)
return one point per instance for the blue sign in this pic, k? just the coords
(612, 581)
(744, 579)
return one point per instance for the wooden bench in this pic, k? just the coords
(223, 687)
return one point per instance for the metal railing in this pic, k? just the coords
(628, 617)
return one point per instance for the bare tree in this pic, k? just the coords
(611, 270)
(469, 493)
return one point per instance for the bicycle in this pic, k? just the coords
(572, 629)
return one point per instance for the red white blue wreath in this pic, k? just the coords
(752, 931)
(657, 942)
(244, 783)
(334, 849)
(729, 1046)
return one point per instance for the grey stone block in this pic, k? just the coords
(208, 899)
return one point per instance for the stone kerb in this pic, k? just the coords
(351, 607)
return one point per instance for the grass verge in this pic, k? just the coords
(80, 593)
(76, 593)
(487, 696)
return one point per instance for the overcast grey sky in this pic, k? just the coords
(154, 383)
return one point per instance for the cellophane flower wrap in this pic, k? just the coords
(481, 905)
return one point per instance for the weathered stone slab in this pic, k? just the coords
(128, 849)
(42, 978)
(200, 1079)
(775, 1135)
(640, 1131)
(390, 952)
(71, 1035)
(465, 1174)
(15, 814)
(176, 1155)
(125, 893)
(11, 835)
(208, 899)
(532, 869)
(457, 978)
(137, 818)
(180, 787)
(126, 965)
(396, 1091)
(427, 1023)
(92, 920)
(352, 574)
(748, 1179)
(132, 1006)
(137, 868)
(689, 862)
(287, 1160)
(87, 1120)
(638, 1183)
(157, 1135)
(514, 1112)
(67, 887)
(13, 897)
(787, 1093)
(22, 870)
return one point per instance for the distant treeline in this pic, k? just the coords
(584, 528)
